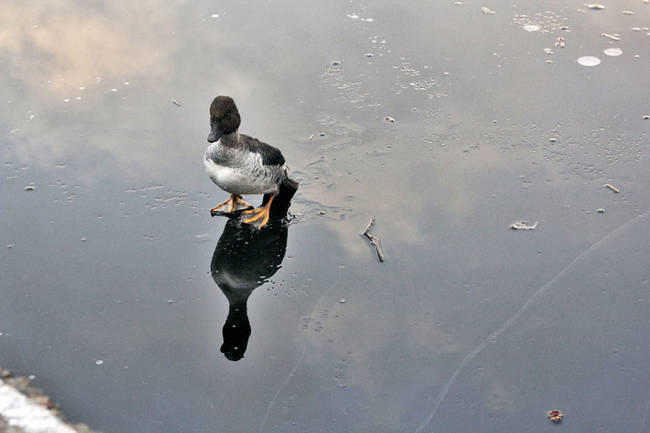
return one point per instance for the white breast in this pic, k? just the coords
(235, 182)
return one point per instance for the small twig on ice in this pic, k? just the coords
(367, 229)
(373, 239)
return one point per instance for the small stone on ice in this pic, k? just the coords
(175, 102)
(29, 188)
(552, 140)
(342, 301)
(596, 6)
(555, 416)
(336, 63)
(99, 362)
(523, 225)
(170, 301)
(600, 210)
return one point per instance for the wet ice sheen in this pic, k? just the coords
(443, 179)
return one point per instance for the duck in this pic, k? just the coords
(240, 164)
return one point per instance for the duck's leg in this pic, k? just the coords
(232, 203)
(219, 206)
(262, 213)
(238, 201)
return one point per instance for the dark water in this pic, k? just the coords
(467, 325)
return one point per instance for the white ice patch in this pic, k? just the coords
(613, 52)
(589, 61)
(19, 411)
(531, 27)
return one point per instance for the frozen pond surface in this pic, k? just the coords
(108, 251)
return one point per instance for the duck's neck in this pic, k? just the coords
(231, 139)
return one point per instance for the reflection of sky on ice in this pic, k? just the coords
(486, 133)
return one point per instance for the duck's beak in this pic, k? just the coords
(215, 133)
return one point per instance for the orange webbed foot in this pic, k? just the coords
(232, 203)
(262, 213)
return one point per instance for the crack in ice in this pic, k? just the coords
(539, 292)
(302, 356)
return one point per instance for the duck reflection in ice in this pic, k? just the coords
(245, 257)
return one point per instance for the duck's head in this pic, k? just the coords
(224, 117)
